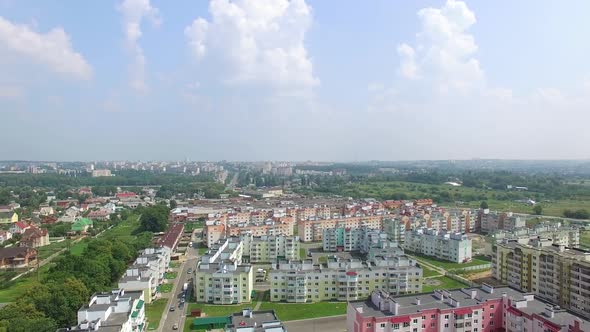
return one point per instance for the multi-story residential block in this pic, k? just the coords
(487, 221)
(343, 280)
(147, 272)
(268, 248)
(560, 235)
(453, 247)
(259, 229)
(117, 311)
(353, 239)
(220, 276)
(484, 309)
(312, 230)
(552, 272)
(395, 229)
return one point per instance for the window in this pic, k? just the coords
(368, 324)
(423, 317)
(415, 321)
(491, 315)
(396, 326)
(432, 324)
(447, 317)
(492, 306)
(432, 316)
(406, 324)
(382, 325)
(446, 325)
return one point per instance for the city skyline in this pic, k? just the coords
(294, 80)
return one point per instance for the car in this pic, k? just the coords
(189, 271)
(172, 308)
(182, 300)
(175, 326)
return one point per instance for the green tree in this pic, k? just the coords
(173, 204)
(483, 205)
(537, 209)
(154, 218)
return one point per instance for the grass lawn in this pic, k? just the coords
(174, 264)
(51, 249)
(426, 272)
(443, 283)
(477, 260)
(323, 259)
(294, 311)
(553, 208)
(585, 239)
(170, 275)
(218, 310)
(302, 253)
(78, 248)
(16, 289)
(154, 312)
(166, 288)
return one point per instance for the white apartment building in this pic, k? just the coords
(147, 272)
(117, 311)
(221, 277)
(353, 239)
(560, 235)
(268, 248)
(343, 280)
(395, 229)
(453, 247)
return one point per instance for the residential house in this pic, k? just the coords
(100, 215)
(46, 211)
(34, 237)
(19, 227)
(82, 225)
(5, 236)
(8, 217)
(16, 257)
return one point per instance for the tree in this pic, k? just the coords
(537, 209)
(173, 204)
(483, 205)
(154, 218)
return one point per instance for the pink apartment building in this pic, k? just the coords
(484, 309)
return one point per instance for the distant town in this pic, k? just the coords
(277, 246)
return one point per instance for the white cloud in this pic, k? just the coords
(52, 49)
(134, 11)
(256, 41)
(444, 54)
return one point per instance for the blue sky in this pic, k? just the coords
(294, 80)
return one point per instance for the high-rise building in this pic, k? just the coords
(453, 247)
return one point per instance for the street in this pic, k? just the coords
(324, 324)
(178, 316)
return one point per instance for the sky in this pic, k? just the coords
(294, 80)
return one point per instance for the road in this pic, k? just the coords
(324, 324)
(169, 318)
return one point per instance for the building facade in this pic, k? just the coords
(482, 309)
(343, 280)
(453, 247)
(313, 230)
(552, 272)
(268, 248)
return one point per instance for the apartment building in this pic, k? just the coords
(313, 230)
(552, 272)
(343, 279)
(147, 272)
(353, 239)
(117, 311)
(488, 221)
(268, 248)
(453, 247)
(395, 229)
(559, 234)
(484, 309)
(259, 229)
(221, 277)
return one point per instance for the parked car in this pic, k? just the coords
(172, 308)
(175, 326)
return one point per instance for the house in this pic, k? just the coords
(5, 236)
(15, 257)
(82, 225)
(68, 219)
(8, 217)
(34, 237)
(72, 211)
(100, 214)
(66, 202)
(46, 211)
(49, 220)
(85, 191)
(19, 227)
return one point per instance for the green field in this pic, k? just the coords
(444, 283)
(477, 260)
(51, 249)
(170, 275)
(166, 288)
(154, 311)
(295, 311)
(211, 310)
(78, 248)
(552, 208)
(426, 272)
(302, 253)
